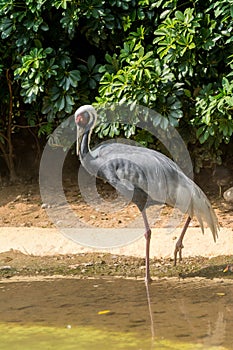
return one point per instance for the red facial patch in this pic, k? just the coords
(81, 119)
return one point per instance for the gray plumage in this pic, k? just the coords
(145, 176)
(150, 177)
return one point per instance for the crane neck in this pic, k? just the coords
(85, 153)
(84, 146)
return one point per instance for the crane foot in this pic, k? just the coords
(178, 249)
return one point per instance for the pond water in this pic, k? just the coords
(115, 314)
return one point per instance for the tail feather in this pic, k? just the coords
(202, 209)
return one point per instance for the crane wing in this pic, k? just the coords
(128, 167)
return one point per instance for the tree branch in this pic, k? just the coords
(29, 126)
(3, 136)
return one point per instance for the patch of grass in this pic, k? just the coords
(94, 265)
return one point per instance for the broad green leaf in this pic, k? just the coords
(180, 16)
(91, 62)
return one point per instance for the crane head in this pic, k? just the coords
(85, 118)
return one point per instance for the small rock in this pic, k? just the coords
(58, 222)
(5, 267)
(228, 195)
(17, 198)
(73, 267)
(157, 265)
(87, 264)
(45, 206)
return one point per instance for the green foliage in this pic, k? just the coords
(174, 57)
(141, 79)
(90, 73)
(186, 72)
(49, 65)
(175, 38)
(215, 112)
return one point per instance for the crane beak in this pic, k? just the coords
(80, 132)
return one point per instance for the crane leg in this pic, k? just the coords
(148, 237)
(179, 243)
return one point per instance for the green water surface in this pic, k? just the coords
(21, 337)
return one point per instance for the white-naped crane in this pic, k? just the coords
(144, 176)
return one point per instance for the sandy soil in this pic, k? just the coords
(21, 206)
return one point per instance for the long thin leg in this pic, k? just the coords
(179, 243)
(148, 237)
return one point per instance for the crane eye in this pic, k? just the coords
(82, 119)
